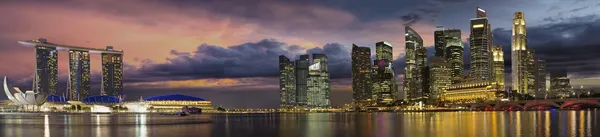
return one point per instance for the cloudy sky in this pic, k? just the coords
(226, 50)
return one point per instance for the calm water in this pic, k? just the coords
(443, 124)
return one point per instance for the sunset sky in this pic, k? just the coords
(227, 50)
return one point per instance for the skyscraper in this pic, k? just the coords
(519, 55)
(498, 56)
(440, 42)
(453, 51)
(540, 79)
(416, 60)
(112, 73)
(439, 75)
(46, 69)
(480, 48)
(319, 91)
(361, 74)
(384, 82)
(301, 80)
(79, 75)
(559, 83)
(287, 82)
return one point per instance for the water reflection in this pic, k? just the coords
(447, 124)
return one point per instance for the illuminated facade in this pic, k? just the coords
(472, 92)
(520, 65)
(498, 56)
(79, 75)
(560, 83)
(451, 48)
(287, 82)
(416, 62)
(540, 79)
(301, 71)
(175, 102)
(385, 88)
(319, 88)
(361, 74)
(480, 48)
(530, 72)
(46, 69)
(46, 75)
(439, 75)
(112, 73)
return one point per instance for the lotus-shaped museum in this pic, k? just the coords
(19, 98)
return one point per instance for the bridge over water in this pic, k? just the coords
(568, 103)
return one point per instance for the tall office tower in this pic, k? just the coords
(529, 72)
(384, 83)
(112, 73)
(46, 69)
(454, 53)
(440, 42)
(319, 91)
(498, 56)
(540, 79)
(559, 83)
(287, 82)
(439, 76)
(361, 74)
(480, 48)
(519, 54)
(301, 80)
(416, 60)
(79, 75)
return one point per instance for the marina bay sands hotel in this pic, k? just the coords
(78, 87)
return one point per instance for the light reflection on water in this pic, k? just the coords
(414, 124)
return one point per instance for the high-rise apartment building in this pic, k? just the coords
(361, 74)
(416, 62)
(520, 59)
(480, 48)
(319, 88)
(498, 58)
(301, 71)
(287, 82)
(79, 75)
(384, 83)
(46, 69)
(112, 73)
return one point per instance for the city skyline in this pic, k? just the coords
(202, 71)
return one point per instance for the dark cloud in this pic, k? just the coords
(579, 9)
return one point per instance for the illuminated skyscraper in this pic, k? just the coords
(112, 73)
(301, 80)
(46, 69)
(540, 79)
(480, 48)
(416, 62)
(287, 82)
(449, 46)
(385, 87)
(530, 72)
(498, 56)
(361, 74)
(519, 55)
(440, 42)
(319, 91)
(79, 75)
(560, 83)
(439, 75)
